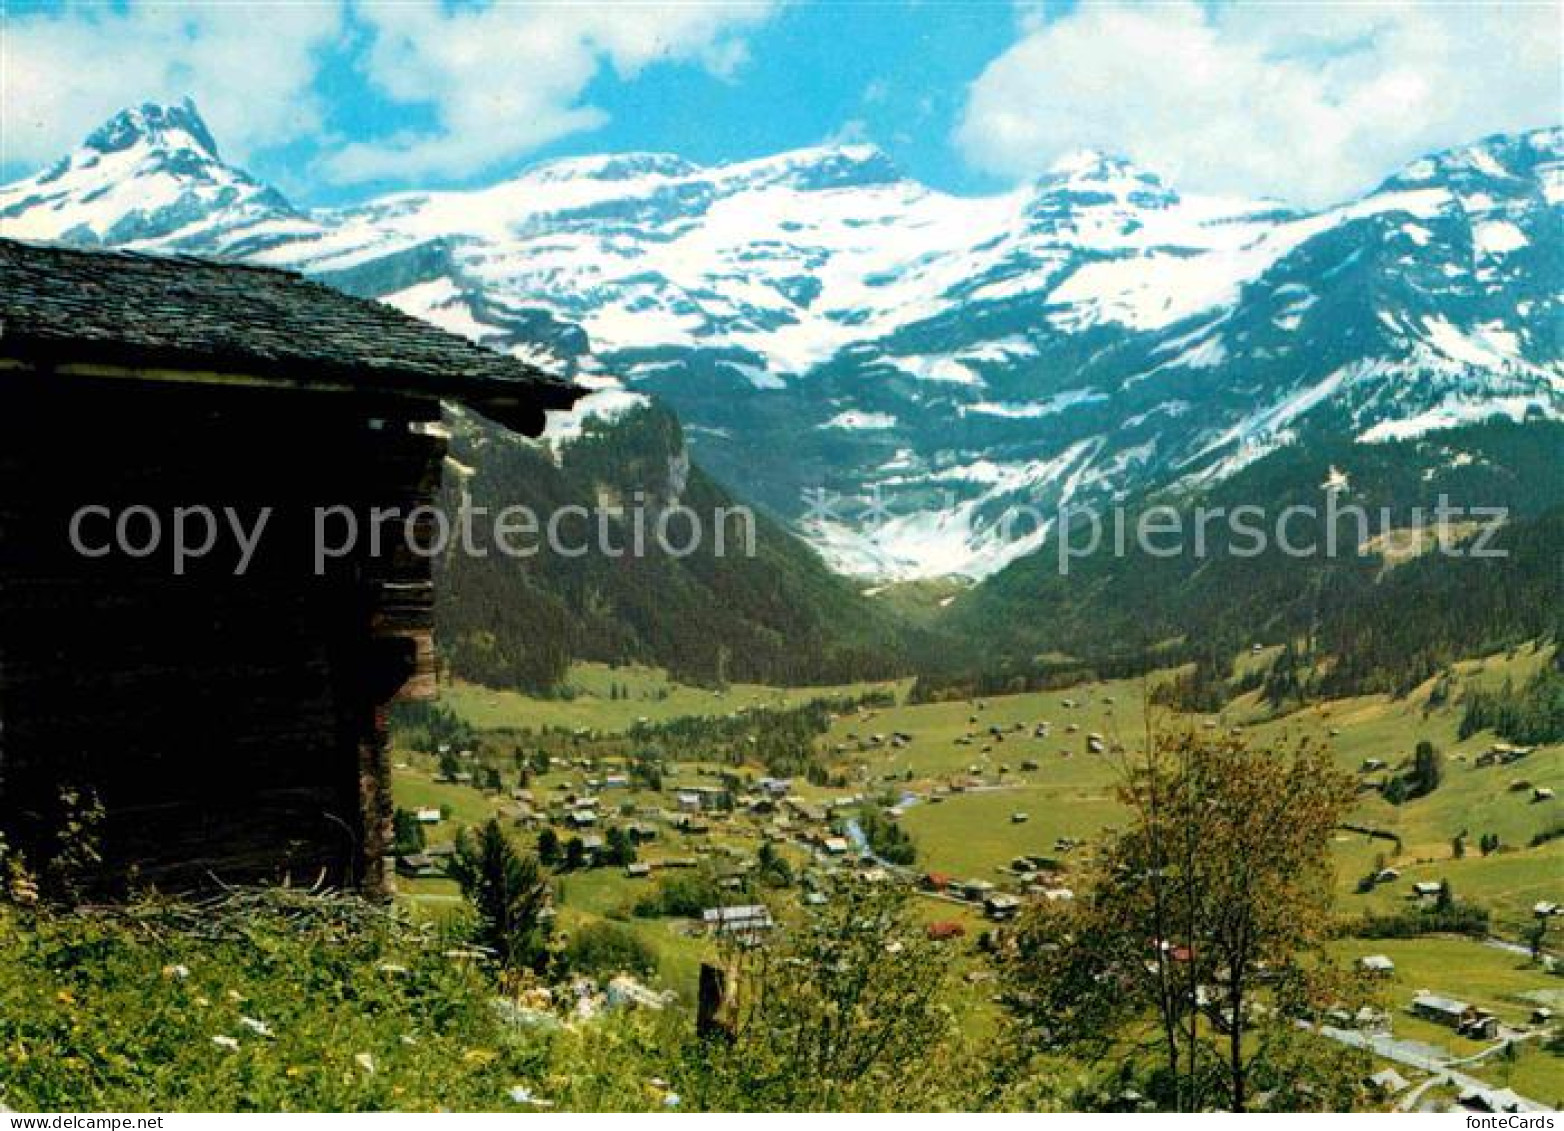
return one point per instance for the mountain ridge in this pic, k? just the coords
(823, 324)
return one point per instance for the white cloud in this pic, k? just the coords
(504, 79)
(1308, 102)
(63, 71)
(498, 79)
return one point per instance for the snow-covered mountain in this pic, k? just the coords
(894, 368)
(148, 175)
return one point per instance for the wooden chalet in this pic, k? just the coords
(232, 727)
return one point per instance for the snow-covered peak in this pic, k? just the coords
(1090, 171)
(612, 167)
(171, 128)
(1502, 158)
(651, 195)
(1097, 166)
(1089, 197)
(149, 175)
(816, 167)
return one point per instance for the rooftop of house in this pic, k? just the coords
(748, 913)
(1439, 1004)
(1493, 1099)
(89, 311)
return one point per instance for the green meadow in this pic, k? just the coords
(979, 782)
(599, 697)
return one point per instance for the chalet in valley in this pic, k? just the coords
(228, 712)
(1468, 1020)
(747, 920)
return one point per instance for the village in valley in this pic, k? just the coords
(676, 814)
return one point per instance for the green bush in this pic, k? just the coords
(605, 949)
(680, 895)
(887, 840)
(1454, 918)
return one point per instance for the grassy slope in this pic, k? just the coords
(1070, 794)
(97, 1015)
(1487, 977)
(652, 695)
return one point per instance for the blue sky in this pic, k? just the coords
(893, 75)
(811, 73)
(335, 100)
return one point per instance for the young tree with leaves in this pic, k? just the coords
(1537, 938)
(772, 867)
(1200, 923)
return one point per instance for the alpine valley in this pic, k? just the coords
(889, 370)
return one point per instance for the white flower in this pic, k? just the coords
(223, 1041)
(179, 971)
(364, 1061)
(521, 1094)
(260, 1028)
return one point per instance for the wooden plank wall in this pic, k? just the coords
(233, 727)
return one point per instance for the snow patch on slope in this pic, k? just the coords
(1454, 413)
(853, 420)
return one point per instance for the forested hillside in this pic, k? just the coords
(1386, 619)
(1383, 620)
(778, 616)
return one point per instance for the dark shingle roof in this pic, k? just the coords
(62, 306)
